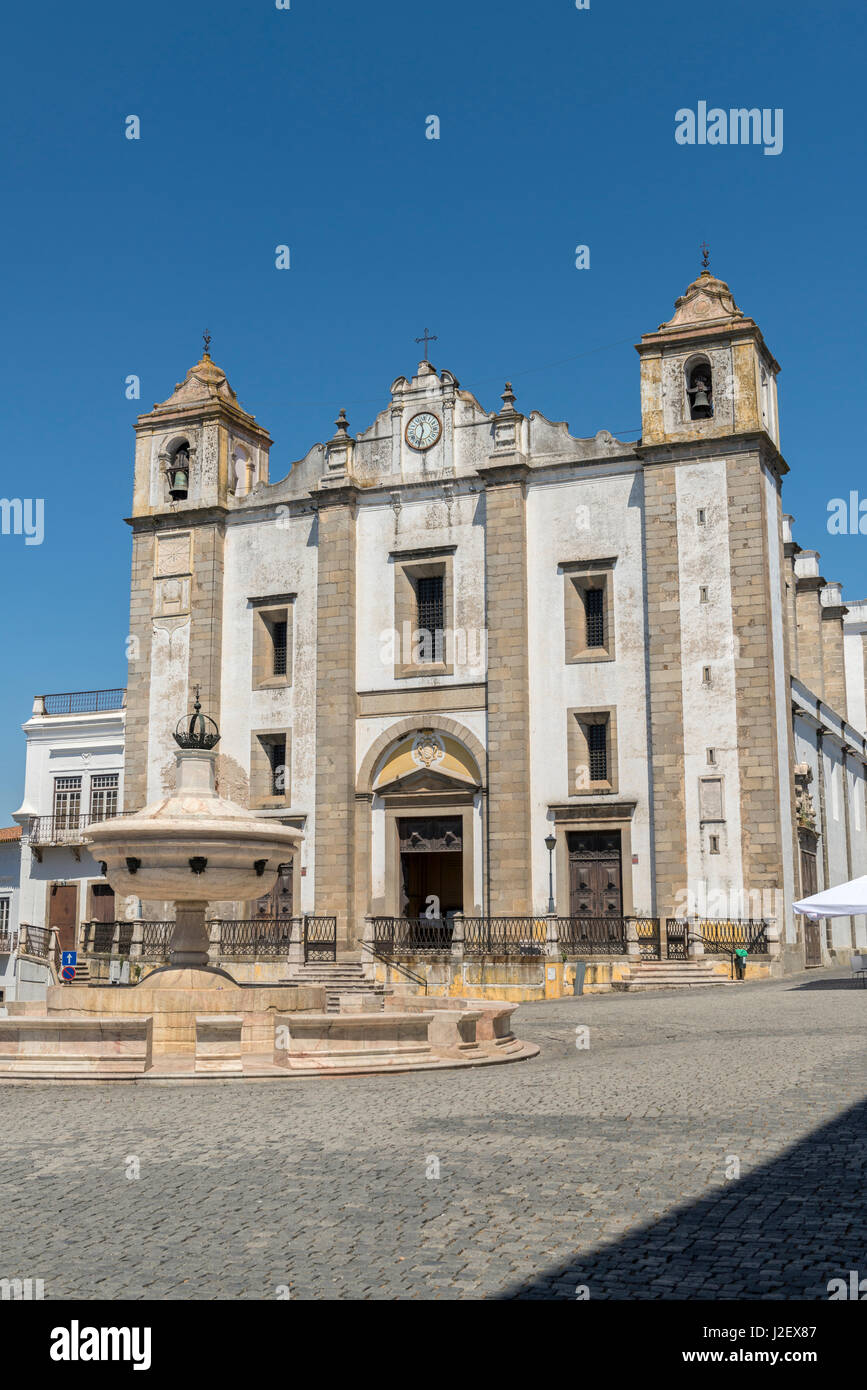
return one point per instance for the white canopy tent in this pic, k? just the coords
(846, 900)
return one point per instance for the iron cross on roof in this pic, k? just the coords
(428, 338)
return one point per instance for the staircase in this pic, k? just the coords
(82, 974)
(671, 974)
(338, 977)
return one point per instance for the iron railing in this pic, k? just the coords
(35, 941)
(107, 938)
(676, 939)
(155, 940)
(412, 936)
(505, 936)
(252, 936)
(647, 929)
(83, 701)
(592, 936)
(320, 938)
(7, 943)
(721, 936)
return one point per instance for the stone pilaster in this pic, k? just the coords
(755, 685)
(509, 866)
(665, 691)
(206, 615)
(136, 732)
(833, 661)
(335, 712)
(810, 653)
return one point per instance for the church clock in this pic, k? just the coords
(423, 431)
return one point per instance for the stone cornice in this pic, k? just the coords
(591, 809)
(174, 521)
(505, 470)
(688, 451)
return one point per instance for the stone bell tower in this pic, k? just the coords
(707, 373)
(196, 453)
(717, 627)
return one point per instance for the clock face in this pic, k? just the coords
(423, 431)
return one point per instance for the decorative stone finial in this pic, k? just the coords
(341, 425)
(508, 399)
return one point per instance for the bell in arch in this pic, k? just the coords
(179, 474)
(699, 393)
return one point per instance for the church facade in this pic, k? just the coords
(484, 665)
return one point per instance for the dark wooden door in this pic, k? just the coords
(102, 903)
(277, 903)
(595, 882)
(812, 933)
(62, 912)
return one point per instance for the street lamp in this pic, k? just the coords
(550, 843)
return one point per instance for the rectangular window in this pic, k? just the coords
(5, 916)
(711, 757)
(588, 609)
(594, 612)
(103, 795)
(67, 802)
(272, 641)
(703, 594)
(714, 844)
(597, 752)
(429, 605)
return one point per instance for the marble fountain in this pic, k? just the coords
(188, 1020)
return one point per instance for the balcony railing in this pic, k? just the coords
(66, 828)
(81, 702)
(7, 943)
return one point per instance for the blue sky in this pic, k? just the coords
(306, 127)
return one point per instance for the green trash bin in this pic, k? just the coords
(741, 962)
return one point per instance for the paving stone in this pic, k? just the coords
(603, 1166)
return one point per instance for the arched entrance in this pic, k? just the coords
(426, 794)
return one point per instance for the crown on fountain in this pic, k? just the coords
(196, 730)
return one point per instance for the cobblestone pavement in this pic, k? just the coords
(603, 1166)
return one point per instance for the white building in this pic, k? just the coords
(10, 875)
(73, 776)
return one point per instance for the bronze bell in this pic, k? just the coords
(701, 408)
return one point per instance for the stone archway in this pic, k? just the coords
(420, 767)
(391, 736)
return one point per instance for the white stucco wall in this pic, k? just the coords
(590, 515)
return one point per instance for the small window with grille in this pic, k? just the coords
(594, 611)
(429, 601)
(103, 795)
(597, 752)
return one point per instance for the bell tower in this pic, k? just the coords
(197, 454)
(198, 448)
(707, 373)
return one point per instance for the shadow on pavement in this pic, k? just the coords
(782, 1231)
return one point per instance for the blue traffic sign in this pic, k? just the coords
(68, 957)
(68, 972)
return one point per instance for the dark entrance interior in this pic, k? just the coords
(595, 876)
(62, 912)
(431, 866)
